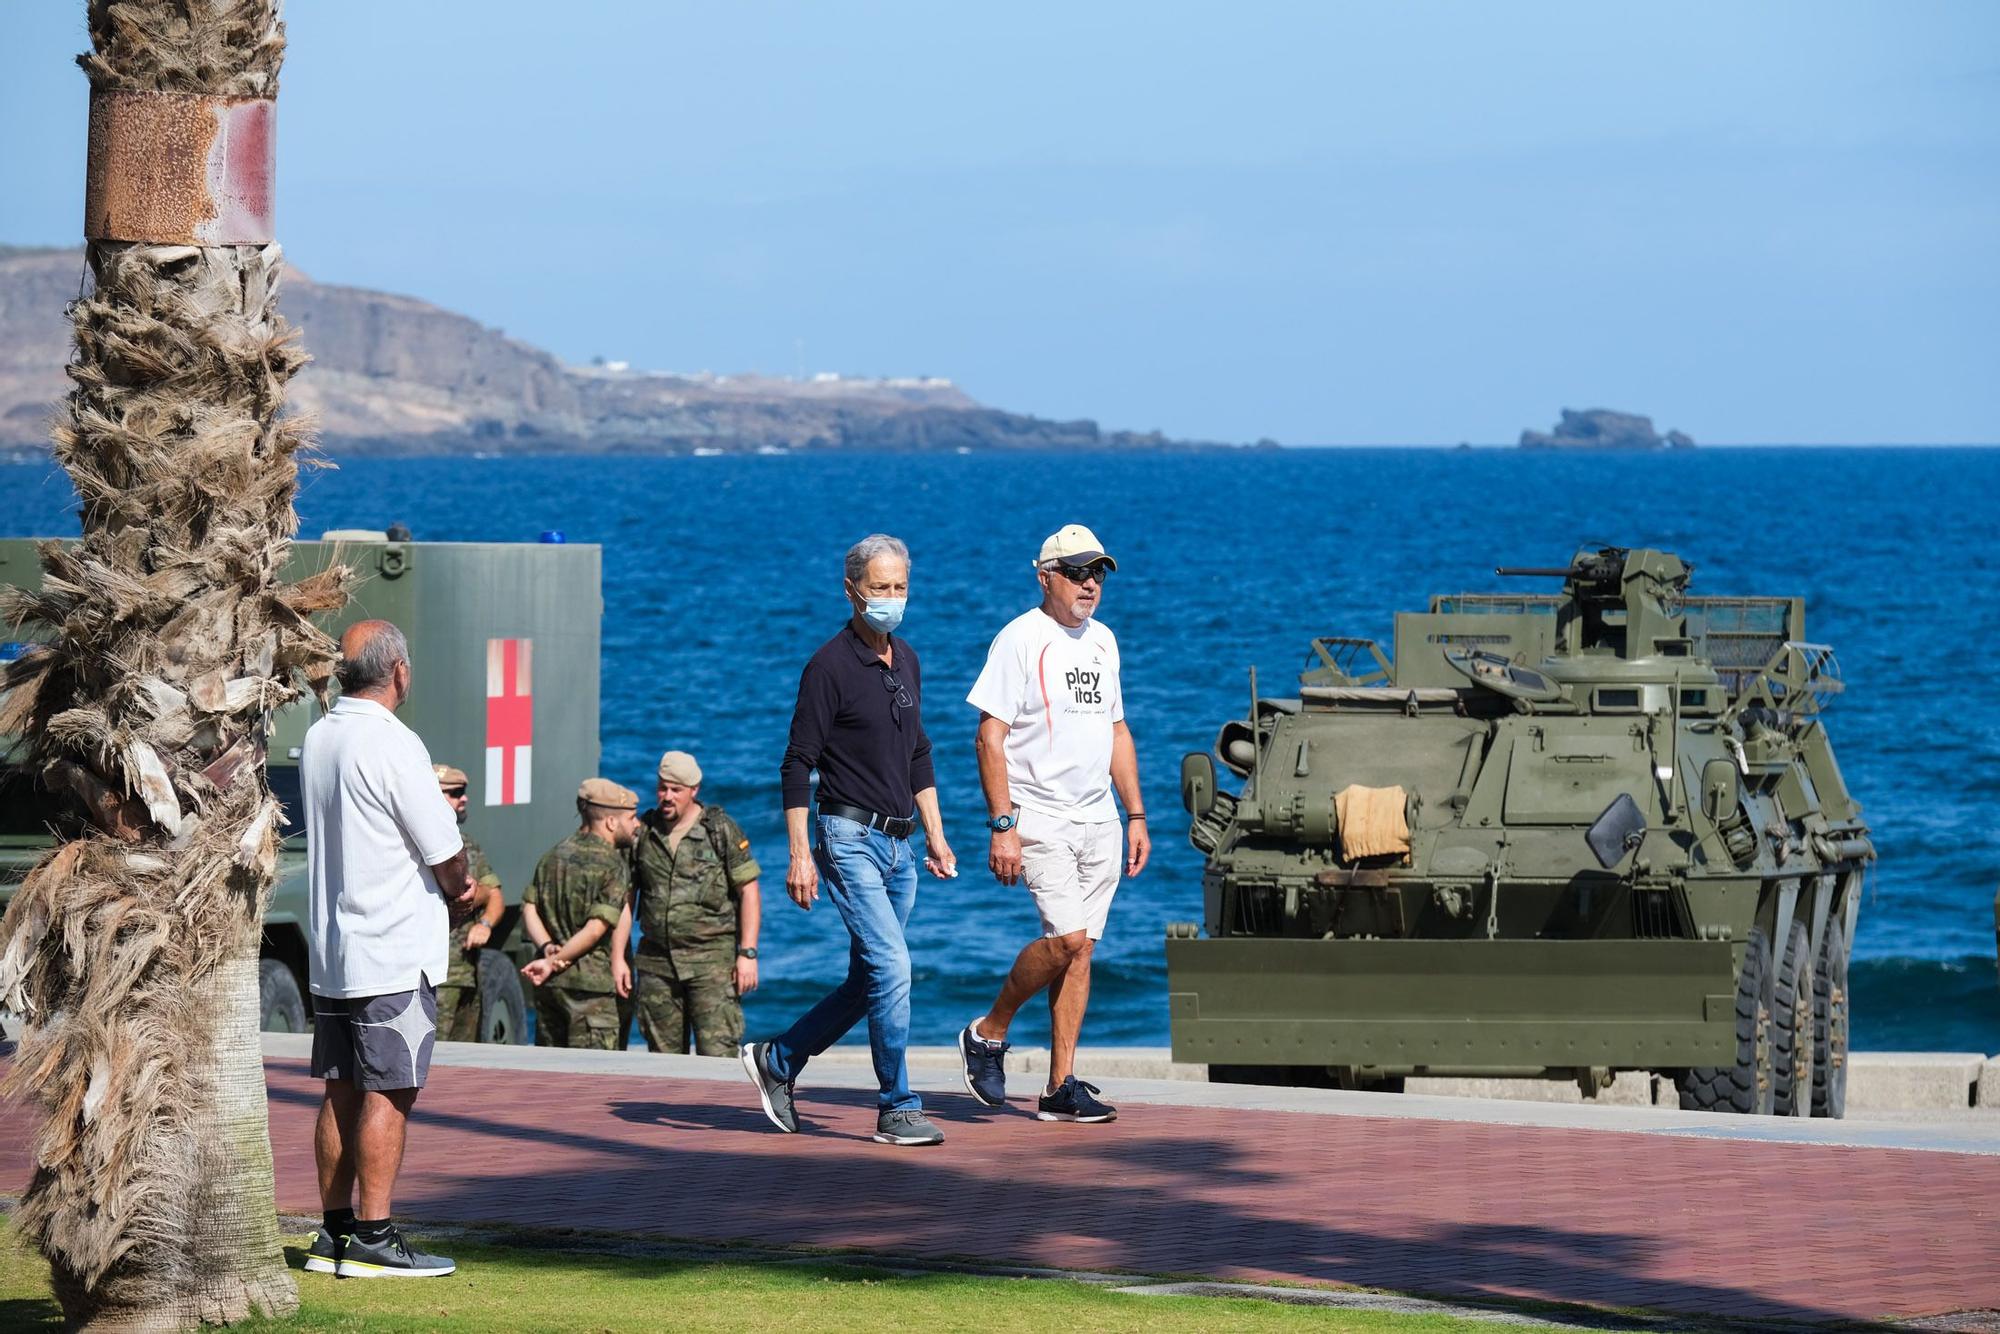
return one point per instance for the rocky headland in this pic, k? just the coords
(396, 375)
(1602, 428)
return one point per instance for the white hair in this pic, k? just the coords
(375, 661)
(868, 548)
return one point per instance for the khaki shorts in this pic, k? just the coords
(1072, 871)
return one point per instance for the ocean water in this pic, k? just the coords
(723, 574)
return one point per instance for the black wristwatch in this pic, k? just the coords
(747, 952)
(1000, 824)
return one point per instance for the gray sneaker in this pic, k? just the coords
(776, 1093)
(388, 1257)
(906, 1126)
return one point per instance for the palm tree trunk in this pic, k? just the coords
(167, 642)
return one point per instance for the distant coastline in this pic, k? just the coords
(394, 375)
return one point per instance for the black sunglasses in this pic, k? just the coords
(894, 686)
(1078, 574)
(454, 792)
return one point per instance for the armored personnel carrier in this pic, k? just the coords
(1558, 834)
(504, 640)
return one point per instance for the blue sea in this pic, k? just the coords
(722, 574)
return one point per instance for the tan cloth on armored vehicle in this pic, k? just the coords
(1371, 821)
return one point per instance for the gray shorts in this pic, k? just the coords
(377, 1043)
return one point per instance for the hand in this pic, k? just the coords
(539, 971)
(621, 977)
(938, 857)
(1138, 847)
(477, 936)
(802, 881)
(1004, 856)
(746, 975)
(458, 909)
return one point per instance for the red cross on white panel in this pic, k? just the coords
(510, 722)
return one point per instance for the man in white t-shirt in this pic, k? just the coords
(385, 872)
(1052, 746)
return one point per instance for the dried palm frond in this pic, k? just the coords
(164, 642)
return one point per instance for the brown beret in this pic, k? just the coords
(604, 792)
(677, 766)
(448, 776)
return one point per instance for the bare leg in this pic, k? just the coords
(378, 1145)
(1069, 995)
(333, 1144)
(1035, 967)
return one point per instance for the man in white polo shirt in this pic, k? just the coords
(1052, 746)
(386, 871)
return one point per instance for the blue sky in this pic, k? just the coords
(1323, 223)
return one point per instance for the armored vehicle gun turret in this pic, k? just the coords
(1556, 835)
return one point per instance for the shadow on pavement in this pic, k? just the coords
(1120, 1199)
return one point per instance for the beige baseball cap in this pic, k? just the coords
(449, 776)
(603, 792)
(677, 766)
(1073, 544)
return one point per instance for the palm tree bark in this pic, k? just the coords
(166, 643)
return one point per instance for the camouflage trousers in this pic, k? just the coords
(587, 1019)
(670, 1002)
(458, 1013)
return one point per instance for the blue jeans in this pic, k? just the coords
(872, 879)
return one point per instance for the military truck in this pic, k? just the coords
(504, 644)
(1553, 834)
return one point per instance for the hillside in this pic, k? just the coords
(395, 375)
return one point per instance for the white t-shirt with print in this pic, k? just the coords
(1057, 690)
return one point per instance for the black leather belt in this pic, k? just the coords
(888, 824)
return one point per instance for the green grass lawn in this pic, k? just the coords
(497, 1288)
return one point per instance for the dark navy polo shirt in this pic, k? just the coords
(860, 724)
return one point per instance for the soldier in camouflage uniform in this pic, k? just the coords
(694, 893)
(458, 994)
(569, 911)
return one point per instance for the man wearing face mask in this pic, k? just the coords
(858, 724)
(1052, 746)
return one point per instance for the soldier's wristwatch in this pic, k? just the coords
(747, 952)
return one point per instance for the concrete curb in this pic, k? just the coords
(1895, 1082)
(935, 1071)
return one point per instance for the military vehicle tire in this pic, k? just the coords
(280, 1006)
(1829, 1088)
(503, 1006)
(1746, 1086)
(1792, 1027)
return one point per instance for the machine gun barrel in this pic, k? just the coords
(1535, 571)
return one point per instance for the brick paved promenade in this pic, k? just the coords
(1453, 1208)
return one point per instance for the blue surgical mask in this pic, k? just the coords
(883, 614)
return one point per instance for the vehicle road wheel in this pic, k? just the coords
(1792, 1027)
(1829, 1085)
(1746, 1086)
(503, 1008)
(1346, 1077)
(282, 1008)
